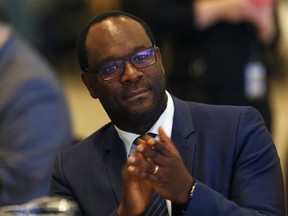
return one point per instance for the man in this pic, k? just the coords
(34, 119)
(206, 160)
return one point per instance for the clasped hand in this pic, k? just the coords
(156, 166)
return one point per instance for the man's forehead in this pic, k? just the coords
(113, 23)
(115, 30)
(114, 38)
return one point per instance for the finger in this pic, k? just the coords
(137, 164)
(151, 174)
(141, 141)
(147, 137)
(167, 142)
(148, 151)
(151, 141)
(155, 145)
(146, 142)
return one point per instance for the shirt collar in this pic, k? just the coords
(165, 120)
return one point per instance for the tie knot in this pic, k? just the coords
(152, 134)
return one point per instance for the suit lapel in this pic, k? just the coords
(115, 158)
(183, 134)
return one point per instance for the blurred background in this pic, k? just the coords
(52, 26)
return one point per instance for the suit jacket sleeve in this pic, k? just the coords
(256, 185)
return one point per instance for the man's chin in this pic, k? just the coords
(139, 112)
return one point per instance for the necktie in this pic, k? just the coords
(157, 205)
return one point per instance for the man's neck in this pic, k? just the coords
(145, 123)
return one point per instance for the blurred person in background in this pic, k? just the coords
(34, 119)
(221, 50)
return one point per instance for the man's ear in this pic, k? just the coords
(88, 80)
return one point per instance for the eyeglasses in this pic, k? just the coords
(114, 69)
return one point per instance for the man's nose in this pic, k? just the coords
(130, 73)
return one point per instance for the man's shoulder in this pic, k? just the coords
(94, 141)
(198, 108)
(227, 115)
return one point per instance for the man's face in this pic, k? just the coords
(137, 94)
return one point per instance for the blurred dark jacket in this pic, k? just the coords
(34, 123)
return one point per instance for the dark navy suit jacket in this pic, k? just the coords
(227, 149)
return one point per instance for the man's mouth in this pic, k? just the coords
(136, 93)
